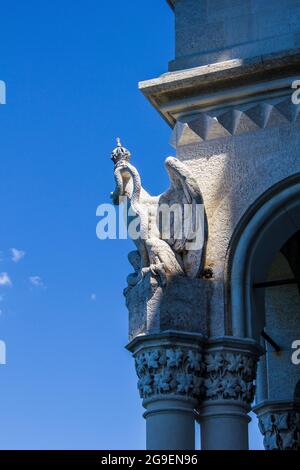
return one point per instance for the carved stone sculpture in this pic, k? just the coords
(163, 256)
(165, 290)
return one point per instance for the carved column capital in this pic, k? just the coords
(230, 370)
(169, 365)
(229, 376)
(175, 364)
(169, 370)
(279, 424)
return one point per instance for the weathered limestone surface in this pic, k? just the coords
(232, 172)
(181, 305)
(237, 130)
(210, 31)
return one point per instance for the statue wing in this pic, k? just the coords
(185, 193)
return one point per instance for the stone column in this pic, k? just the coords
(169, 368)
(279, 423)
(230, 371)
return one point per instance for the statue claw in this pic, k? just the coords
(142, 274)
(157, 270)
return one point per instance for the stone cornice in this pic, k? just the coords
(232, 343)
(223, 84)
(164, 339)
(276, 406)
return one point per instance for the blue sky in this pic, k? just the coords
(71, 71)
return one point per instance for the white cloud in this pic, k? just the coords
(5, 280)
(93, 297)
(17, 255)
(36, 281)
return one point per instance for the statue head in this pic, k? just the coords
(120, 153)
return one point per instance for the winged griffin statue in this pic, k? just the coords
(163, 257)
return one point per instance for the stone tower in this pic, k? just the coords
(212, 330)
